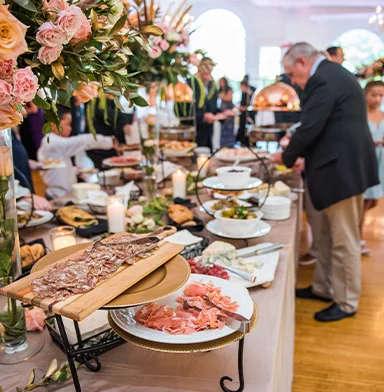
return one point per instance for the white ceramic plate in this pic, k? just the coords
(215, 183)
(107, 162)
(208, 205)
(235, 291)
(227, 156)
(21, 192)
(264, 274)
(51, 166)
(178, 153)
(46, 216)
(263, 228)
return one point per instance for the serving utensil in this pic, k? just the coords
(263, 251)
(242, 274)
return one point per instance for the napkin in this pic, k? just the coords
(98, 198)
(184, 237)
(169, 168)
(125, 191)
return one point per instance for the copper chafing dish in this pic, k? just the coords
(268, 133)
(181, 133)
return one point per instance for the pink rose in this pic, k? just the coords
(12, 37)
(70, 20)
(48, 55)
(34, 319)
(155, 52)
(7, 69)
(9, 117)
(84, 31)
(135, 210)
(51, 35)
(54, 5)
(5, 92)
(164, 45)
(157, 41)
(25, 85)
(86, 92)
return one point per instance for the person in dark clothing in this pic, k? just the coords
(78, 117)
(21, 163)
(246, 95)
(225, 94)
(31, 129)
(107, 122)
(340, 164)
(336, 54)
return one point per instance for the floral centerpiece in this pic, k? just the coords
(374, 71)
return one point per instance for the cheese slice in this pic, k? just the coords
(282, 189)
(219, 251)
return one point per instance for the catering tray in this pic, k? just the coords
(80, 306)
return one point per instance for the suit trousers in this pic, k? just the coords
(314, 218)
(338, 273)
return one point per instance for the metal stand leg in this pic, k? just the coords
(241, 371)
(69, 353)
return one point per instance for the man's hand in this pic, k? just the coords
(277, 158)
(299, 165)
(115, 143)
(209, 118)
(285, 141)
(40, 203)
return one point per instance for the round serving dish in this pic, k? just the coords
(242, 227)
(180, 133)
(234, 176)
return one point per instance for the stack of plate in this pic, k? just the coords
(277, 208)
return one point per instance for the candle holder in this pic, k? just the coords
(62, 237)
(116, 214)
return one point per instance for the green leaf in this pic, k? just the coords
(118, 25)
(39, 102)
(27, 4)
(5, 264)
(94, 21)
(153, 30)
(52, 368)
(140, 101)
(47, 128)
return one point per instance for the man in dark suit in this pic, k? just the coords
(340, 164)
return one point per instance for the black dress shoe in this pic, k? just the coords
(308, 294)
(332, 313)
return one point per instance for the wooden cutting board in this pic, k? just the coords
(78, 307)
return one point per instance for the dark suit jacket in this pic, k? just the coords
(334, 138)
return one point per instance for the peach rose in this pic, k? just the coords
(164, 45)
(70, 20)
(86, 92)
(7, 69)
(54, 5)
(5, 92)
(48, 55)
(12, 37)
(9, 118)
(155, 52)
(51, 35)
(84, 31)
(25, 85)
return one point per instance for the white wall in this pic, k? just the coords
(275, 26)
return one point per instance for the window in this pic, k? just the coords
(361, 47)
(222, 35)
(269, 64)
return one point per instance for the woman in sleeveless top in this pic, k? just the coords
(374, 92)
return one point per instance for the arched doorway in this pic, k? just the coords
(361, 47)
(221, 34)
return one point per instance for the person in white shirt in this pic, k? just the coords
(60, 145)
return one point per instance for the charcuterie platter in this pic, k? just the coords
(78, 284)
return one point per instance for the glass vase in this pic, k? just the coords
(149, 151)
(13, 332)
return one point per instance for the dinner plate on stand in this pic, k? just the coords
(215, 183)
(235, 291)
(45, 217)
(21, 192)
(262, 229)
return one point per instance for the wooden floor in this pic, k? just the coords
(346, 356)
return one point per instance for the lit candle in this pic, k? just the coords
(62, 237)
(116, 214)
(179, 182)
(202, 162)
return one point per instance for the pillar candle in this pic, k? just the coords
(116, 214)
(202, 160)
(179, 182)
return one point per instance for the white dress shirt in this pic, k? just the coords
(59, 181)
(316, 64)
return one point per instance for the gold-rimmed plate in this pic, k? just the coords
(162, 282)
(185, 348)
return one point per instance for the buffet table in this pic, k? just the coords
(268, 354)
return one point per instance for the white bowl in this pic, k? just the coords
(236, 227)
(234, 177)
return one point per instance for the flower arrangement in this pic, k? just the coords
(372, 71)
(65, 48)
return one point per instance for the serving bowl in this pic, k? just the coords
(238, 227)
(234, 176)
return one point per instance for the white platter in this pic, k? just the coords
(236, 292)
(264, 274)
(215, 183)
(46, 216)
(21, 192)
(208, 205)
(263, 229)
(178, 153)
(107, 162)
(51, 166)
(225, 156)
